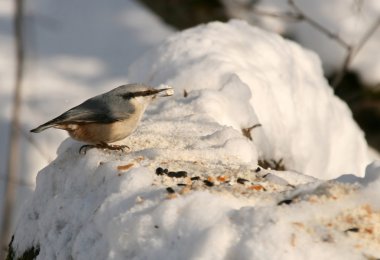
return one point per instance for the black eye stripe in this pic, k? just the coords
(140, 94)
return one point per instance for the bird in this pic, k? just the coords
(108, 117)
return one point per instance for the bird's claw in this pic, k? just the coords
(114, 147)
(84, 148)
(104, 146)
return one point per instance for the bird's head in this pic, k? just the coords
(140, 95)
(131, 91)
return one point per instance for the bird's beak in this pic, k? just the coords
(165, 92)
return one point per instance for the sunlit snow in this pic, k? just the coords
(190, 186)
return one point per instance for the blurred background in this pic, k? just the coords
(55, 54)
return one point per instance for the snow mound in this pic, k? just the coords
(190, 186)
(176, 197)
(242, 76)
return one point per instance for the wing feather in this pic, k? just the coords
(94, 110)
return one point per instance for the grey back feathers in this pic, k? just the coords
(109, 107)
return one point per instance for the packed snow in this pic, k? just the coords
(350, 20)
(241, 76)
(190, 186)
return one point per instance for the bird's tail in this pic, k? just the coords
(42, 127)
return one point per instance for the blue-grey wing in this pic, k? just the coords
(88, 112)
(95, 110)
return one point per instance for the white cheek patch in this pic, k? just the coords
(72, 127)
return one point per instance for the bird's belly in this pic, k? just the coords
(102, 133)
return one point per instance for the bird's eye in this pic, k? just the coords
(138, 94)
(128, 95)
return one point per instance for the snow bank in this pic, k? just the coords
(190, 187)
(241, 76)
(180, 194)
(350, 20)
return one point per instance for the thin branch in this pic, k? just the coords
(318, 26)
(343, 69)
(19, 182)
(366, 37)
(14, 142)
(351, 54)
(298, 14)
(247, 131)
(352, 51)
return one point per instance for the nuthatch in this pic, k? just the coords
(108, 117)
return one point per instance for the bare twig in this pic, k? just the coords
(352, 52)
(247, 131)
(19, 182)
(298, 14)
(343, 69)
(366, 37)
(13, 162)
(318, 26)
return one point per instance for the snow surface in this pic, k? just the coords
(350, 20)
(113, 206)
(120, 205)
(241, 76)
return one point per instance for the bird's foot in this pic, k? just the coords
(104, 146)
(84, 148)
(113, 147)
